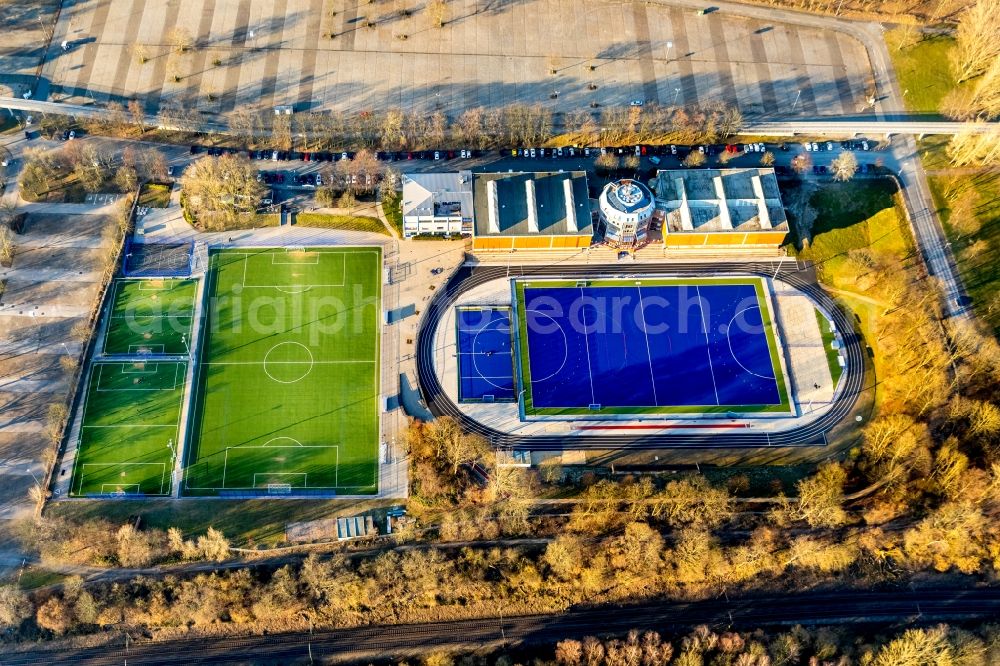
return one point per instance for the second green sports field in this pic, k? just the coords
(150, 316)
(287, 390)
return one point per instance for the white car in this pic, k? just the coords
(761, 148)
(864, 145)
(829, 146)
(809, 147)
(673, 149)
(533, 153)
(319, 179)
(437, 155)
(815, 147)
(274, 156)
(748, 148)
(701, 149)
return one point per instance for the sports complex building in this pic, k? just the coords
(258, 376)
(536, 210)
(730, 207)
(685, 209)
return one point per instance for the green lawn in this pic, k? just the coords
(831, 354)
(524, 363)
(345, 222)
(852, 215)
(287, 393)
(150, 316)
(392, 208)
(924, 70)
(155, 195)
(130, 429)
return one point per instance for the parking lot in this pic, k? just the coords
(325, 55)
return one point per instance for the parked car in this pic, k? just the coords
(654, 160)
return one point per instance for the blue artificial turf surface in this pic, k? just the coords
(485, 355)
(632, 346)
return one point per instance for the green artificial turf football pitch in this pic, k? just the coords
(150, 316)
(129, 433)
(287, 392)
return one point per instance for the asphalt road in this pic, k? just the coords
(899, 608)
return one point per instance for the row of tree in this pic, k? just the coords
(816, 646)
(475, 128)
(636, 560)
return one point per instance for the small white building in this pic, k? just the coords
(437, 203)
(626, 207)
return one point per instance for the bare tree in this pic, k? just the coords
(973, 147)
(221, 191)
(977, 46)
(984, 102)
(7, 247)
(767, 159)
(392, 129)
(127, 179)
(844, 166)
(281, 133)
(695, 158)
(437, 12)
(821, 497)
(138, 114)
(181, 40)
(141, 53)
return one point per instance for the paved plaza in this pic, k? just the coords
(353, 56)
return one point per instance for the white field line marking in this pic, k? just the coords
(225, 466)
(730, 341)
(708, 346)
(83, 472)
(649, 354)
(360, 360)
(590, 371)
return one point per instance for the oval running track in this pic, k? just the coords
(809, 434)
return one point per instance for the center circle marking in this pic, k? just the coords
(289, 372)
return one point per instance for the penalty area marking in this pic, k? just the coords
(304, 475)
(278, 439)
(83, 472)
(343, 273)
(117, 489)
(225, 465)
(142, 373)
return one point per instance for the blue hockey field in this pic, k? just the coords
(648, 346)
